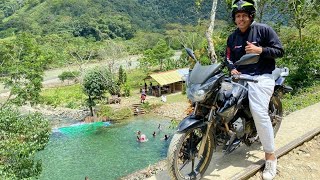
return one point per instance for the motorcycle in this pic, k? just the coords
(221, 116)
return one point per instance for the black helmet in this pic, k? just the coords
(246, 6)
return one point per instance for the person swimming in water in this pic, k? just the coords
(141, 137)
(166, 137)
(159, 127)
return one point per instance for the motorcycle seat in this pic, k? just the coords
(276, 73)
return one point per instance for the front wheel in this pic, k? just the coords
(183, 161)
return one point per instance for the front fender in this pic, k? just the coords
(190, 122)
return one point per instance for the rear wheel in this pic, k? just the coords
(183, 161)
(275, 113)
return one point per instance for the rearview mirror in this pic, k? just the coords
(191, 54)
(248, 59)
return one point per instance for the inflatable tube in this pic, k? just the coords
(143, 138)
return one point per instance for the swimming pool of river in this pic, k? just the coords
(103, 151)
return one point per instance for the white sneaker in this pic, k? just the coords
(270, 170)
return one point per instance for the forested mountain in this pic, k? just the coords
(101, 19)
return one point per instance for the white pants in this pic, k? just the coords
(259, 98)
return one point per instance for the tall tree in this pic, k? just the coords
(211, 51)
(162, 52)
(81, 51)
(303, 12)
(122, 76)
(96, 82)
(261, 7)
(157, 55)
(112, 52)
(22, 64)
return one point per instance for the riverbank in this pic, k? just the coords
(171, 110)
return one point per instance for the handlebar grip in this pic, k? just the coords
(244, 77)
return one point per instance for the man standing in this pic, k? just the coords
(256, 38)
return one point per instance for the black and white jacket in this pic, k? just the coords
(260, 35)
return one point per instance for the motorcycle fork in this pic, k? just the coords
(193, 174)
(192, 154)
(204, 139)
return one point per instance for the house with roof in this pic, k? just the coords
(167, 82)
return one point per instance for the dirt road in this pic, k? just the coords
(50, 77)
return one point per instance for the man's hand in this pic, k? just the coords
(252, 49)
(235, 72)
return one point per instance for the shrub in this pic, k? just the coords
(119, 114)
(21, 136)
(302, 56)
(303, 60)
(69, 75)
(123, 113)
(126, 89)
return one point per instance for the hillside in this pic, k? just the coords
(101, 19)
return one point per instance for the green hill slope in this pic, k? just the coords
(101, 19)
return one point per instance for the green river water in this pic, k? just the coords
(102, 151)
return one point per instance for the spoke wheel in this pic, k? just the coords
(183, 161)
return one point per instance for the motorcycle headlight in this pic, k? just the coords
(196, 93)
(199, 94)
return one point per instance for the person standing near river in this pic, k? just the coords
(143, 96)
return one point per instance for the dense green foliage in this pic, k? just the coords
(23, 62)
(69, 75)
(159, 55)
(302, 56)
(301, 99)
(66, 96)
(99, 19)
(21, 136)
(122, 76)
(97, 82)
(119, 114)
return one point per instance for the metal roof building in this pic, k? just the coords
(169, 77)
(169, 81)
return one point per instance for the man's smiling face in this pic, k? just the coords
(243, 21)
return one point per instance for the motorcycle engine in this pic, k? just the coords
(238, 127)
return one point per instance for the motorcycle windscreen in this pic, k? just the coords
(200, 74)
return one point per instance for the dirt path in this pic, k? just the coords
(51, 79)
(300, 163)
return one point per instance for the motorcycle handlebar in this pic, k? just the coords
(244, 77)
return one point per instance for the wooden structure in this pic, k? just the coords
(137, 109)
(168, 82)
